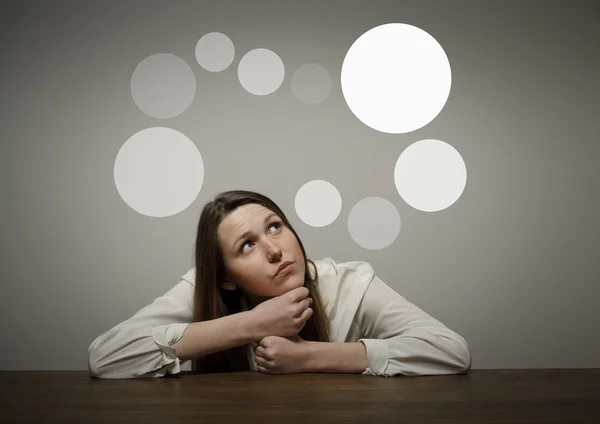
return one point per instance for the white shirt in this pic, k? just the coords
(400, 338)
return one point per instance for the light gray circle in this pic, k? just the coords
(261, 72)
(430, 175)
(163, 85)
(318, 203)
(158, 171)
(214, 52)
(374, 223)
(311, 83)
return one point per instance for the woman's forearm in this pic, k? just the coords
(206, 337)
(336, 357)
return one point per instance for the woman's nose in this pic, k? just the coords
(273, 250)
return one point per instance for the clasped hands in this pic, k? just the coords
(284, 315)
(282, 355)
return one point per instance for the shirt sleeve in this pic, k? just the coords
(401, 339)
(142, 346)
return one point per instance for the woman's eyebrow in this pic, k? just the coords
(248, 233)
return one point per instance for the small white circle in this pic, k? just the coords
(396, 78)
(158, 172)
(214, 52)
(261, 72)
(318, 203)
(430, 175)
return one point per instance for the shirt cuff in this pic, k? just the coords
(165, 336)
(377, 356)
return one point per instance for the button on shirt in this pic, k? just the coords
(400, 338)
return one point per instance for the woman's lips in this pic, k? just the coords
(285, 270)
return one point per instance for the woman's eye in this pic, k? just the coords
(242, 248)
(276, 224)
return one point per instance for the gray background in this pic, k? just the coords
(513, 265)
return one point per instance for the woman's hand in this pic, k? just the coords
(283, 315)
(281, 355)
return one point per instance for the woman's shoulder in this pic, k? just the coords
(329, 267)
(343, 284)
(190, 276)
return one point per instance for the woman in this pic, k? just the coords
(254, 301)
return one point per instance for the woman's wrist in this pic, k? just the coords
(336, 357)
(252, 326)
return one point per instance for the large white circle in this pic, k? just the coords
(158, 172)
(396, 78)
(374, 223)
(214, 52)
(430, 175)
(261, 71)
(318, 203)
(163, 85)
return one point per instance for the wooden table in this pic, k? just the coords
(482, 396)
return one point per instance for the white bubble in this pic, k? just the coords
(374, 223)
(261, 72)
(158, 172)
(396, 78)
(430, 175)
(318, 203)
(163, 85)
(215, 51)
(311, 83)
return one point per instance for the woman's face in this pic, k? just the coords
(255, 242)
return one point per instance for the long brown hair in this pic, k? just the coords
(211, 301)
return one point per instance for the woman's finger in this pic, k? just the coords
(260, 351)
(260, 361)
(262, 369)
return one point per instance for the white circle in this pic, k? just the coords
(261, 72)
(311, 83)
(163, 85)
(318, 203)
(214, 52)
(430, 175)
(374, 223)
(158, 172)
(396, 78)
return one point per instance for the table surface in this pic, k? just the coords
(482, 396)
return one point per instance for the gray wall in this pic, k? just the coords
(512, 265)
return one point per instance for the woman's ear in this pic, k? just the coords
(228, 285)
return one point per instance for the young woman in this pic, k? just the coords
(254, 301)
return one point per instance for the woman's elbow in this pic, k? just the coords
(94, 370)
(101, 360)
(465, 357)
(98, 369)
(458, 355)
(94, 363)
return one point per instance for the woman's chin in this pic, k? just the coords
(284, 286)
(292, 283)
